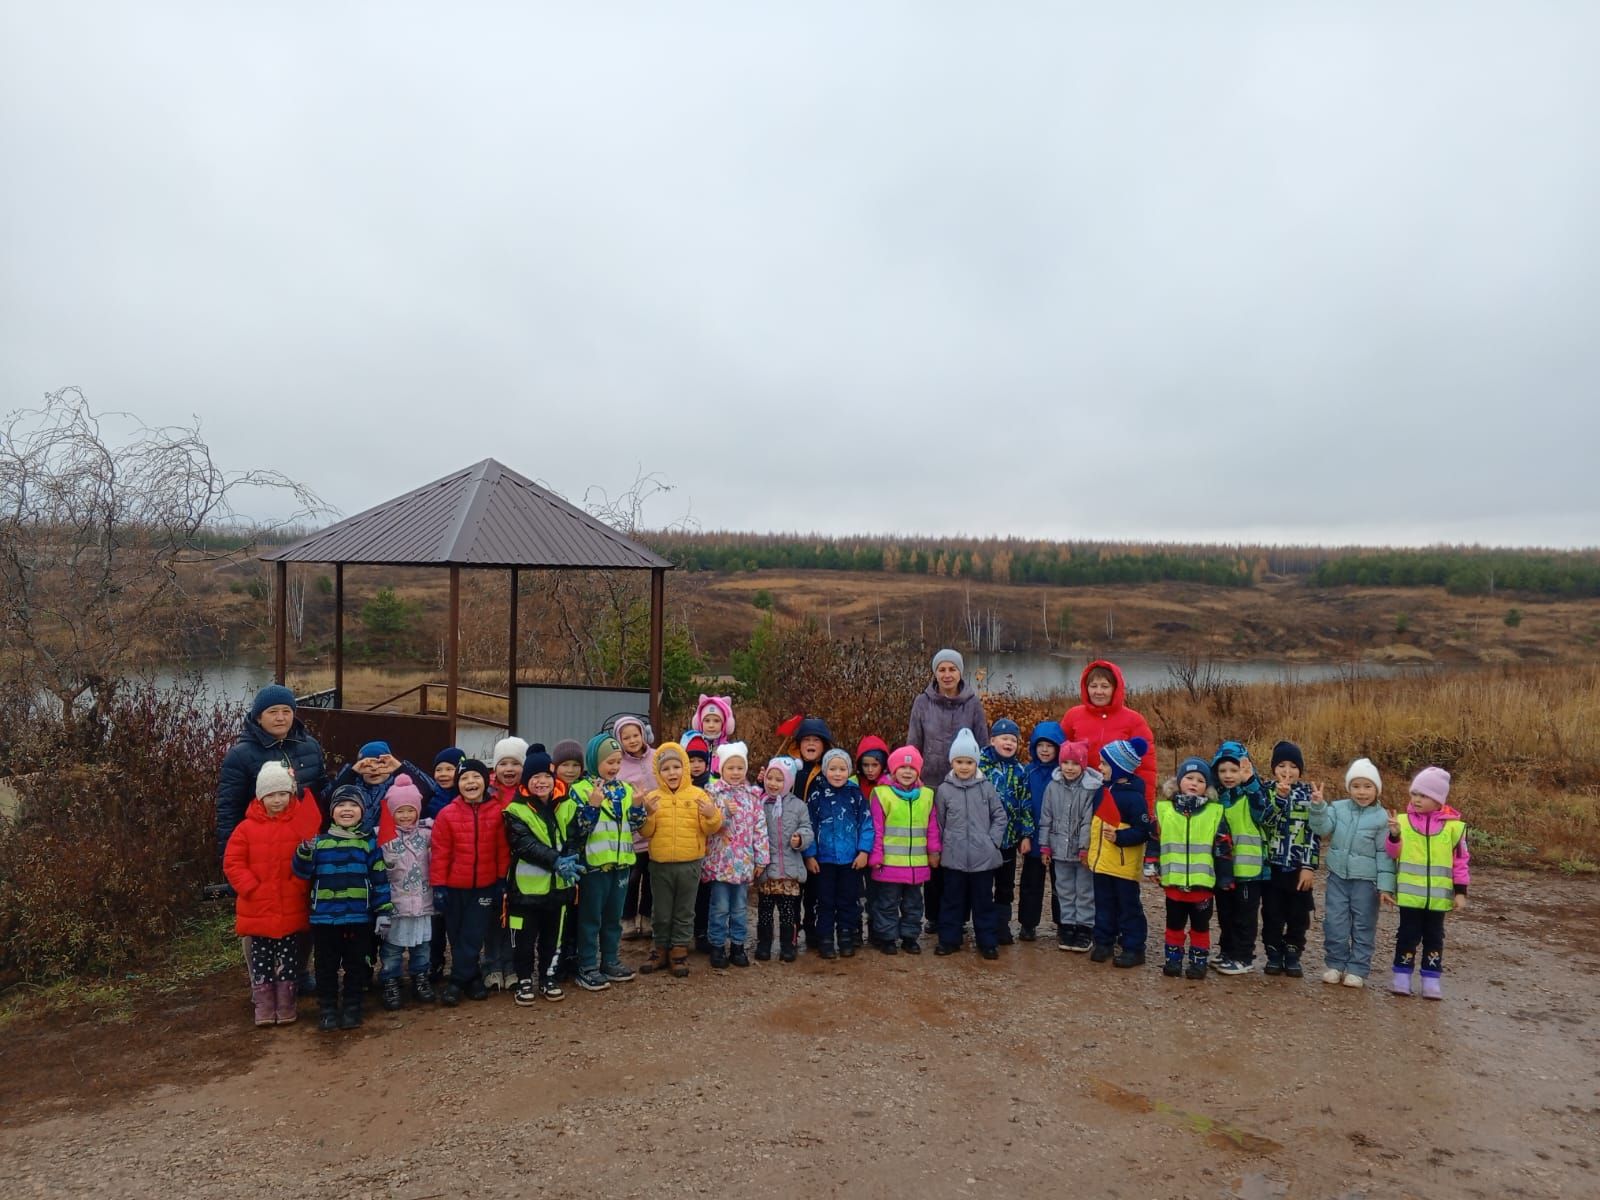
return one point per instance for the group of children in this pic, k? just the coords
(528, 869)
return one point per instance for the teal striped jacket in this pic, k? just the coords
(349, 882)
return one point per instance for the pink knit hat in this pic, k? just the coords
(1076, 752)
(402, 792)
(1432, 782)
(905, 756)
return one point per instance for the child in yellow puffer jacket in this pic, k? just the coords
(680, 817)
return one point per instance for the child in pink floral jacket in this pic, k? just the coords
(735, 854)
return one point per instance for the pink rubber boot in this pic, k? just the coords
(1402, 982)
(1432, 988)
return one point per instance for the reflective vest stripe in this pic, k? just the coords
(610, 842)
(1425, 869)
(1247, 841)
(1186, 845)
(905, 827)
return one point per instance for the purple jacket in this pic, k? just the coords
(935, 721)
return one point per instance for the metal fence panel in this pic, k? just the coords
(549, 712)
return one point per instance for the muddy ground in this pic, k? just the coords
(1040, 1074)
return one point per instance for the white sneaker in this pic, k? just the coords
(1332, 976)
(1354, 981)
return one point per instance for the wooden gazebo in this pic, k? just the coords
(483, 517)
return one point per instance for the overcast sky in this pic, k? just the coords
(1203, 272)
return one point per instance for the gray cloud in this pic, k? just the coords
(1323, 275)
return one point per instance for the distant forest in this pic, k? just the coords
(1464, 570)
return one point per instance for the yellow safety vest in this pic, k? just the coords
(905, 826)
(1247, 841)
(1424, 874)
(1186, 845)
(528, 878)
(610, 844)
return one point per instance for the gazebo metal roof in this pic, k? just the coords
(485, 515)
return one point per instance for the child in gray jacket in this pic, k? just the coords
(790, 838)
(1359, 870)
(972, 827)
(1064, 820)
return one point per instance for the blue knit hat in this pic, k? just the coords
(373, 750)
(1125, 755)
(1197, 765)
(1005, 725)
(450, 754)
(1233, 752)
(270, 696)
(1288, 752)
(537, 762)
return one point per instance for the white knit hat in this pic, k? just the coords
(732, 750)
(510, 747)
(274, 777)
(1363, 768)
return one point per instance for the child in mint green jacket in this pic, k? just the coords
(1359, 871)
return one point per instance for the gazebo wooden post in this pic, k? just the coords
(280, 631)
(658, 604)
(338, 635)
(511, 661)
(452, 654)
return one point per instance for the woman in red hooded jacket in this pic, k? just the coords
(1104, 717)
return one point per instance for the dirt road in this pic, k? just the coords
(1041, 1074)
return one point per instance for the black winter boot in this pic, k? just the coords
(391, 998)
(327, 1020)
(736, 955)
(350, 1017)
(1291, 962)
(1274, 961)
(719, 956)
(422, 989)
(763, 951)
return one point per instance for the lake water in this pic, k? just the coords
(1032, 674)
(1050, 674)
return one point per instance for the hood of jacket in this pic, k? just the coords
(1119, 688)
(664, 751)
(964, 693)
(1046, 731)
(252, 729)
(871, 742)
(814, 727)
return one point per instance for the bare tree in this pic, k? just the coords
(93, 532)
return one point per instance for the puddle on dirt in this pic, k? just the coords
(1216, 1133)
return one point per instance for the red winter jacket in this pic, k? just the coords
(1098, 726)
(259, 865)
(469, 845)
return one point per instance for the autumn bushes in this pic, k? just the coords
(110, 841)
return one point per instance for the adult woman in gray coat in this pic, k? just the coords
(943, 709)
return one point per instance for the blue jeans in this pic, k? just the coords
(391, 958)
(1350, 925)
(730, 914)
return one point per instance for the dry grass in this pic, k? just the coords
(1523, 744)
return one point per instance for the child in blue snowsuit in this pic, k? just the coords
(842, 819)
